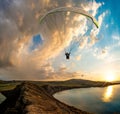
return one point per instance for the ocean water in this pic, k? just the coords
(105, 100)
(2, 98)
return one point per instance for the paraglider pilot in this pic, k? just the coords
(67, 55)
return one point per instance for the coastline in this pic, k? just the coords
(29, 98)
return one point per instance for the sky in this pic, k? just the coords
(30, 50)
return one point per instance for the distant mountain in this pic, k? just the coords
(78, 80)
(72, 82)
(1, 81)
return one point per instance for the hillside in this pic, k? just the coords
(28, 98)
(35, 97)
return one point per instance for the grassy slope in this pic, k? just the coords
(73, 82)
(9, 85)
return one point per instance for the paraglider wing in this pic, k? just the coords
(70, 9)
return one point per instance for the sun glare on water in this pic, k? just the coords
(108, 94)
(110, 76)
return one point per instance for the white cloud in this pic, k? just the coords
(84, 42)
(78, 57)
(101, 53)
(115, 37)
(106, 25)
(91, 6)
(19, 22)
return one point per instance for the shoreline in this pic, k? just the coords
(30, 98)
(63, 88)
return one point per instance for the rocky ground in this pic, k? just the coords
(28, 98)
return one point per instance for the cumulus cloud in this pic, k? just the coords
(95, 32)
(91, 7)
(19, 22)
(84, 42)
(116, 37)
(101, 53)
(78, 58)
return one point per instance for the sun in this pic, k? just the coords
(110, 76)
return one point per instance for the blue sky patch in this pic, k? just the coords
(36, 41)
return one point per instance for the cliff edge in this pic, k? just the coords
(28, 98)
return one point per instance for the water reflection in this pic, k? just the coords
(2, 98)
(108, 94)
(96, 100)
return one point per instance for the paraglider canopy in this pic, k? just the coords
(64, 11)
(71, 9)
